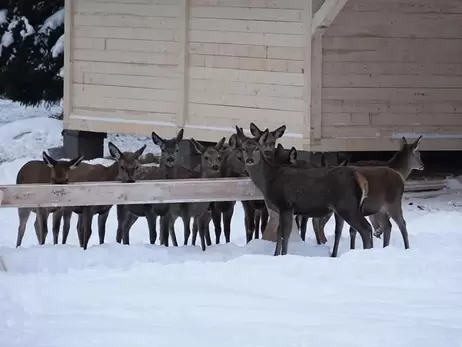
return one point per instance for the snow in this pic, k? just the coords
(54, 21)
(232, 294)
(58, 47)
(3, 14)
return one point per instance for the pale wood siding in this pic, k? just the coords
(245, 64)
(126, 72)
(391, 68)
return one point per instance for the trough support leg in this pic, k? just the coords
(270, 233)
(90, 144)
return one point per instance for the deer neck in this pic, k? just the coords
(400, 162)
(262, 173)
(169, 172)
(112, 172)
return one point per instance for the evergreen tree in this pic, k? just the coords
(31, 58)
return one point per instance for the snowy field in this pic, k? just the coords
(233, 294)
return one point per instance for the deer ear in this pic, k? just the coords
(48, 160)
(254, 130)
(403, 142)
(232, 141)
(220, 144)
(279, 150)
(179, 136)
(323, 160)
(198, 147)
(279, 131)
(158, 141)
(239, 136)
(293, 155)
(264, 137)
(114, 151)
(415, 145)
(75, 162)
(140, 151)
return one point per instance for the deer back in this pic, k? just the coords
(34, 171)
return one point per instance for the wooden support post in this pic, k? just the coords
(67, 95)
(182, 112)
(326, 14)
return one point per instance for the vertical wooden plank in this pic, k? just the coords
(183, 64)
(307, 75)
(316, 86)
(67, 97)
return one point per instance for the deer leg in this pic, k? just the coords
(285, 220)
(249, 220)
(195, 229)
(23, 214)
(37, 229)
(382, 220)
(264, 220)
(216, 216)
(375, 221)
(102, 218)
(352, 238)
(227, 217)
(339, 222)
(121, 215)
(202, 230)
(80, 232)
(164, 225)
(396, 213)
(67, 214)
(322, 224)
(187, 228)
(56, 218)
(358, 223)
(171, 231)
(257, 224)
(130, 219)
(86, 225)
(42, 218)
(151, 219)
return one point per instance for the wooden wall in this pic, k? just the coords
(144, 64)
(392, 68)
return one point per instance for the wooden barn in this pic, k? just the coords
(342, 75)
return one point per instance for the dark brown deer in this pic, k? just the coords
(47, 171)
(312, 192)
(404, 161)
(168, 169)
(98, 173)
(211, 163)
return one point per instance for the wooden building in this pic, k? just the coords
(342, 75)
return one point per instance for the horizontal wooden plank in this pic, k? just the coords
(278, 4)
(417, 119)
(392, 94)
(245, 88)
(279, 40)
(247, 13)
(127, 45)
(356, 131)
(125, 92)
(149, 34)
(90, 78)
(246, 115)
(127, 8)
(248, 26)
(377, 80)
(125, 69)
(340, 106)
(370, 131)
(367, 49)
(150, 2)
(280, 78)
(346, 118)
(408, 6)
(87, 100)
(124, 20)
(404, 25)
(260, 102)
(169, 59)
(146, 192)
(392, 68)
(256, 64)
(88, 43)
(119, 115)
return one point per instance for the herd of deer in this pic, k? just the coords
(290, 187)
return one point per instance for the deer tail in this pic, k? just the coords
(364, 186)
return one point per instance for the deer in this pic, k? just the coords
(404, 162)
(47, 170)
(98, 173)
(211, 163)
(314, 192)
(168, 169)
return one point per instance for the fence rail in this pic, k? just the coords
(148, 192)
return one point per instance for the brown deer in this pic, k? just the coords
(404, 161)
(35, 172)
(211, 163)
(168, 169)
(124, 167)
(313, 192)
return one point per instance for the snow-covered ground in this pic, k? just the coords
(232, 294)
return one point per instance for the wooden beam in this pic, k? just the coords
(307, 76)
(326, 14)
(182, 112)
(67, 93)
(162, 191)
(316, 87)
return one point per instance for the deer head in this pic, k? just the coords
(269, 145)
(251, 148)
(411, 152)
(60, 168)
(169, 148)
(234, 159)
(128, 162)
(211, 158)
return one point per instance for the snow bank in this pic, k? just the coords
(58, 47)
(54, 21)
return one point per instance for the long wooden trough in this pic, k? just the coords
(159, 191)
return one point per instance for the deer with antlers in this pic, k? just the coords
(47, 170)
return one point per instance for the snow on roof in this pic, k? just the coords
(54, 21)
(58, 47)
(3, 14)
